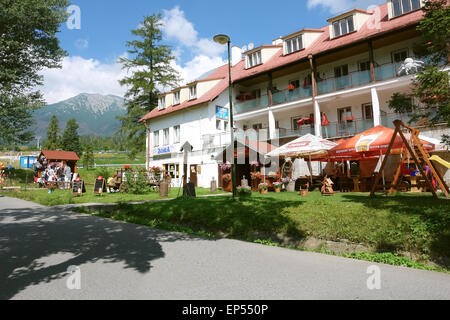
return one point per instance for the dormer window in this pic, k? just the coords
(294, 44)
(254, 59)
(193, 92)
(176, 97)
(162, 102)
(343, 26)
(400, 7)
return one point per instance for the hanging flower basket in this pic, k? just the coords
(290, 87)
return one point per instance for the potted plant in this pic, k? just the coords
(277, 186)
(244, 192)
(226, 182)
(289, 184)
(291, 87)
(226, 167)
(263, 188)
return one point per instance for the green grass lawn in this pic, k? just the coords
(117, 158)
(61, 197)
(414, 223)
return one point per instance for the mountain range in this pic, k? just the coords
(94, 113)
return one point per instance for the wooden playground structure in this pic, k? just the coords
(418, 154)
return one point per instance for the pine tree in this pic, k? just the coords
(70, 137)
(28, 43)
(151, 67)
(53, 141)
(88, 156)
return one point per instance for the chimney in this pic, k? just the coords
(236, 55)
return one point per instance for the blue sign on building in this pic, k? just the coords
(163, 150)
(27, 162)
(222, 113)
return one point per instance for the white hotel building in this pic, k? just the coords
(346, 70)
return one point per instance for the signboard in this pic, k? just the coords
(100, 186)
(222, 113)
(78, 185)
(27, 162)
(163, 150)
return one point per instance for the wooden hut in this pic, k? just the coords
(69, 158)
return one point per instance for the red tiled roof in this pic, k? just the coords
(60, 155)
(221, 72)
(376, 25)
(323, 43)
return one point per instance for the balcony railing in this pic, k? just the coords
(354, 79)
(344, 129)
(251, 105)
(286, 95)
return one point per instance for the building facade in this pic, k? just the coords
(333, 82)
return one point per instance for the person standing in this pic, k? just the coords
(67, 176)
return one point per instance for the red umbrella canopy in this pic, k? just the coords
(370, 143)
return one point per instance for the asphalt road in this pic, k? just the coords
(124, 261)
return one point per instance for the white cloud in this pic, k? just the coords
(207, 53)
(198, 66)
(336, 6)
(176, 27)
(80, 75)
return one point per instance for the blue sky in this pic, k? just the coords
(189, 26)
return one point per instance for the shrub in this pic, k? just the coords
(137, 183)
(244, 191)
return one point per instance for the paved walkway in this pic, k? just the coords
(125, 261)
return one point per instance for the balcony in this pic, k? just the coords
(251, 105)
(354, 79)
(286, 95)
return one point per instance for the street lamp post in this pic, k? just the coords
(224, 39)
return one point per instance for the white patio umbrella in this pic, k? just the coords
(304, 147)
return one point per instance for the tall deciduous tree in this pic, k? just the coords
(28, 43)
(150, 68)
(70, 138)
(431, 86)
(53, 141)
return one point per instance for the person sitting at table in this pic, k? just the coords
(112, 184)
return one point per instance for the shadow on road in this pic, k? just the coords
(28, 236)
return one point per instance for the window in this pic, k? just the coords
(345, 114)
(218, 124)
(400, 7)
(166, 137)
(399, 55)
(173, 170)
(364, 65)
(367, 111)
(294, 44)
(161, 102)
(341, 71)
(225, 125)
(192, 92)
(221, 125)
(176, 97)
(156, 139)
(254, 59)
(176, 134)
(257, 126)
(343, 26)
